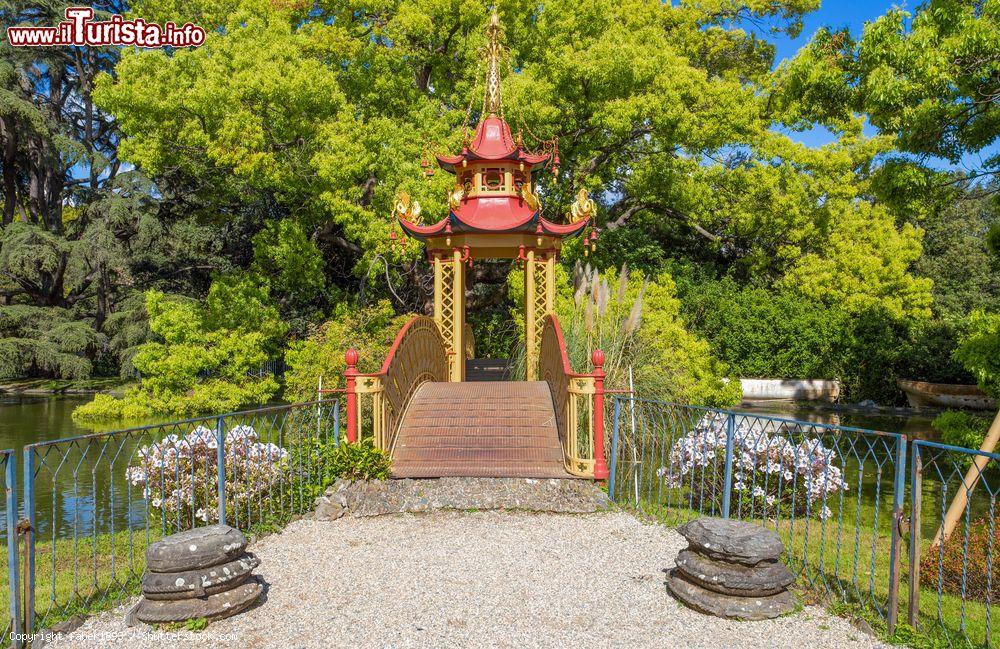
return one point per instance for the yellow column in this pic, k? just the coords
(458, 319)
(550, 284)
(438, 290)
(530, 335)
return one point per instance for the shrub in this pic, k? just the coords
(179, 476)
(963, 565)
(959, 428)
(202, 358)
(767, 333)
(371, 330)
(361, 461)
(771, 475)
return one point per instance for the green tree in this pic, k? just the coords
(202, 358)
(930, 79)
(370, 330)
(322, 114)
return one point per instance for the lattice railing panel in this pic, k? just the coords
(417, 355)
(541, 307)
(448, 302)
(573, 398)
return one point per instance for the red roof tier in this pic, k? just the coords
(535, 225)
(492, 141)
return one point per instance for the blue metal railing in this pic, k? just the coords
(95, 502)
(954, 576)
(844, 537)
(12, 627)
(833, 493)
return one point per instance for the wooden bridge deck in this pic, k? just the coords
(480, 429)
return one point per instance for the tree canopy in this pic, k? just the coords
(269, 158)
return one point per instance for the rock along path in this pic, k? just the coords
(484, 579)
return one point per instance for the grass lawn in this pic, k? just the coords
(83, 575)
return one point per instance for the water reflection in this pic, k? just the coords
(912, 423)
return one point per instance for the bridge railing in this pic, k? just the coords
(579, 403)
(376, 401)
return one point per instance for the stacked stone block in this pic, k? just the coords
(732, 569)
(202, 573)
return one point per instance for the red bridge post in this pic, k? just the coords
(600, 464)
(351, 356)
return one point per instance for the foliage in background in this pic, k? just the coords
(979, 351)
(637, 323)
(928, 78)
(957, 258)
(961, 428)
(44, 341)
(202, 356)
(767, 333)
(371, 330)
(274, 150)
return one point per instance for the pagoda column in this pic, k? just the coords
(449, 309)
(539, 301)
(458, 318)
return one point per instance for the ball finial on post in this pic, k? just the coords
(597, 357)
(351, 357)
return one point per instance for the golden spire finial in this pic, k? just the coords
(492, 104)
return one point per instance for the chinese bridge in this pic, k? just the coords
(434, 407)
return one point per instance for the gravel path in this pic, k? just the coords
(484, 579)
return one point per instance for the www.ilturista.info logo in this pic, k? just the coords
(80, 28)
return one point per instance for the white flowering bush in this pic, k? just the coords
(771, 475)
(179, 475)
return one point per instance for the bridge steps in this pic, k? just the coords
(482, 429)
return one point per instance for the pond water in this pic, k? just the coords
(28, 419)
(912, 423)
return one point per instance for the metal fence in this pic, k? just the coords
(8, 596)
(954, 584)
(833, 493)
(95, 502)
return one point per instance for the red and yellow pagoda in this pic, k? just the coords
(495, 213)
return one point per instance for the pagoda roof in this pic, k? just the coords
(492, 141)
(501, 214)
